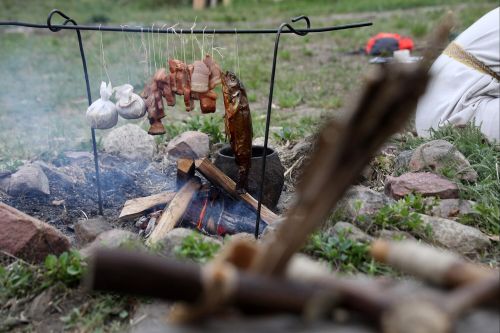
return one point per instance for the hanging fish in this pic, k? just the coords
(238, 125)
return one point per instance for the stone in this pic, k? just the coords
(394, 235)
(349, 231)
(174, 239)
(452, 208)
(131, 142)
(270, 231)
(28, 238)
(361, 200)
(111, 239)
(425, 183)
(55, 175)
(190, 144)
(402, 161)
(88, 230)
(78, 156)
(437, 155)
(259, 141)
(455, 236)
(28, 180)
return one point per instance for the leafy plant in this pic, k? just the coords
(343, 254)
(402, 215)
(20, 278)
(194, 247)
(67, 268)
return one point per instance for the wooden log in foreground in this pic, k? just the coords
(136, 207)
(220, 179)
(146, 275)
(429, 263)
(172, 214)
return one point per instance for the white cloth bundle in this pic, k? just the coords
(102, 113)
(129, 105)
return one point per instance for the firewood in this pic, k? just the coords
(146, 275)
(220, 179)
(136, 207)
(185, 171)
(172, 214)
(119, 271)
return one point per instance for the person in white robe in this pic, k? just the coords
(465, 84)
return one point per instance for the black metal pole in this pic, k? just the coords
(171, 30)
(269, 106)
(89, 96)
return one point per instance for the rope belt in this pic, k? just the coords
(457, 53)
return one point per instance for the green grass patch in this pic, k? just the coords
(343, 254)
(194, 247)
(402, 215)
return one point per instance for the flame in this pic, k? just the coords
(202, 214)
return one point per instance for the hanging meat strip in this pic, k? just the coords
(152, 96)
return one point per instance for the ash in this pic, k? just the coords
(73, 187)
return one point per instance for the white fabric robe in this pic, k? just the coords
(458, 93)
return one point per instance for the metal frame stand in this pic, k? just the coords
(283, 28)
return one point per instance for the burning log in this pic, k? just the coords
(172, 215)
(219, 179)
(137, 207)
(185, 171)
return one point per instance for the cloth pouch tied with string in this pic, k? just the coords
(102, 113)
(129, 105)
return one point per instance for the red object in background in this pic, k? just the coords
(388, 42)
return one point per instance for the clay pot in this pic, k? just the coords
(274, 178)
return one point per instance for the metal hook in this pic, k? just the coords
(57, 11)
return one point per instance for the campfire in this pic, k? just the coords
(206, 200)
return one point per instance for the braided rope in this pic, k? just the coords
(457, 53)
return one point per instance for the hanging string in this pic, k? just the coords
(162, 51)
(153, 42)
(125, 52)
(237, 53)
(103, 60)
(174, 46)
(146, 57)
(203, 44)
(192, 37)
(183, 47)
(212, 50)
